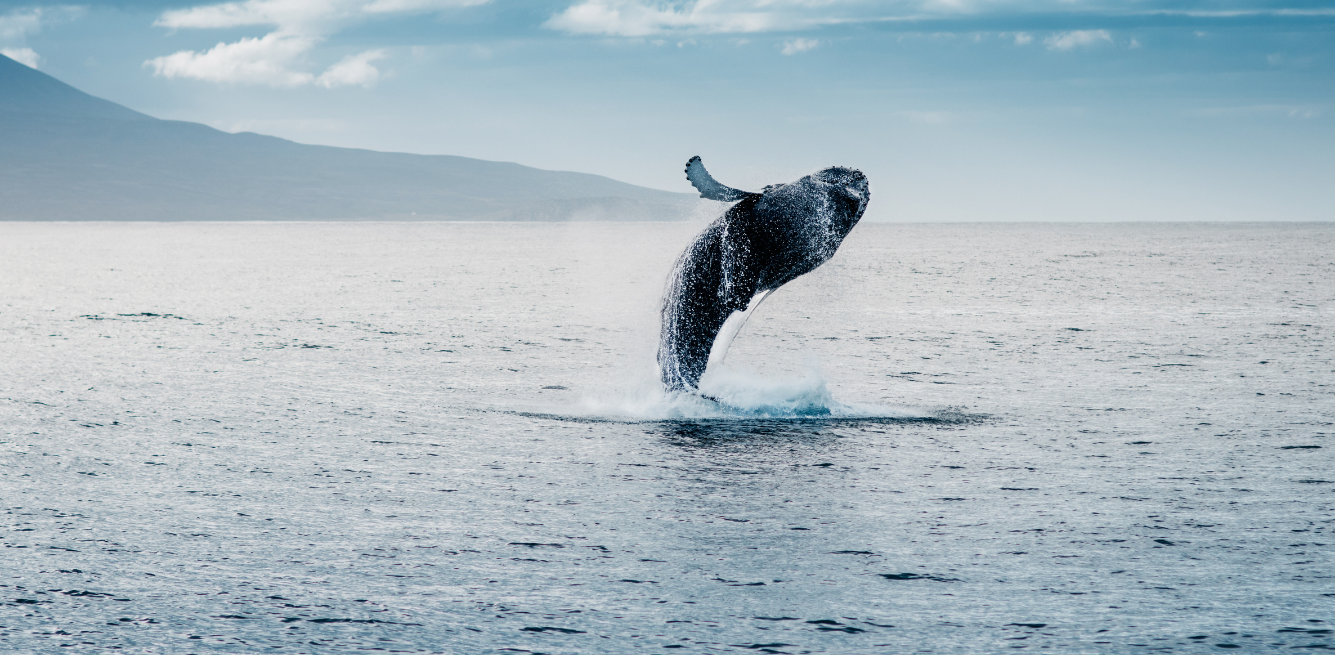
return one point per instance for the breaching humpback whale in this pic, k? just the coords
(761, 243)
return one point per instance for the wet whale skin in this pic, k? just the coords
(759, 244)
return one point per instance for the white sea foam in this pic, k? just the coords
(730, 393)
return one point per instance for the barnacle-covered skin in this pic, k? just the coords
(761, 243)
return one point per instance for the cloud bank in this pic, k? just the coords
(283, 53)
(636, 18)
(281, 57)
(266, 60)
(641, 18)
(648, 18)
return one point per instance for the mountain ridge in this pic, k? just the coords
(68, 155)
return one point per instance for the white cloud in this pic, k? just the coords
(280, 58)
(299, 15)
(636, 18)
(17, 25)
(649, 18)
(24, 56)
(1077, 38)
(354, 69)
(235, 14)
(416, 6)
(266, 60)
(799, 45)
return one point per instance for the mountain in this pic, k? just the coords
(66, 155)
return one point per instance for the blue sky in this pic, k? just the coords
(957, 110)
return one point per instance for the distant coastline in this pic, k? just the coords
(66, 155)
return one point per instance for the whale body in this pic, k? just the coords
(762, 242)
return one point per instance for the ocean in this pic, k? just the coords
(449, 438)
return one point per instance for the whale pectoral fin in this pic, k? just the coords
(708, 187)
(739, 297)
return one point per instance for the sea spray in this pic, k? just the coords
(728, 392)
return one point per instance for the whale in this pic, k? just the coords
(762, 242)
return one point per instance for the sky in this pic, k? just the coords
(957, 110)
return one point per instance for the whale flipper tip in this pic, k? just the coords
(709, 188)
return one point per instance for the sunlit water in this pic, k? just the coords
(314, 438)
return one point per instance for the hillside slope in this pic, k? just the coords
(66, 155)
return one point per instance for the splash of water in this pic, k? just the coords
(727, 393)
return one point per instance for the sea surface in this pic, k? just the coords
(447, 438)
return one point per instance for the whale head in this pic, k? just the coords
(819, 209)
(848, 192)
